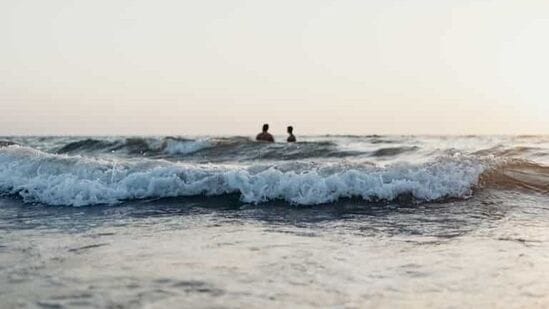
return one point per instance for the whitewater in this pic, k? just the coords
(224, 221)
(81, 172)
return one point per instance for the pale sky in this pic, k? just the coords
(227, 66)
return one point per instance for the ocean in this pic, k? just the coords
(226, 222)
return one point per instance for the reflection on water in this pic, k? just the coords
(490, 250)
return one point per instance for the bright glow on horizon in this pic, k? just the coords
(225, 67)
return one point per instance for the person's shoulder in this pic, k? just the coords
(266, 137)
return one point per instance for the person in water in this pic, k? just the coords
(291, 138)
(264, 135)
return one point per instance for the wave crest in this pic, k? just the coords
(79, 181)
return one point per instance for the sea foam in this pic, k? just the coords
(175, 147)
(80, 181)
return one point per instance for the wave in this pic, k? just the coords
(244, 149)
(6, 143)
(178, 146)
(393, 151)
(136, 145)
(210, 149)
(75, 180)
(517, 174)
(515, 151)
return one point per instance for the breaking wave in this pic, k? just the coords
(61, 179)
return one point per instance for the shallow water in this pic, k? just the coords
(491, 250)
(486, 248)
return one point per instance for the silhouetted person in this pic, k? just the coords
(291, 138)
(264, 135)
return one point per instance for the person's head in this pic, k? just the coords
(265, 127)
(290, 130)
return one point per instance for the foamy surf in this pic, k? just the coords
(175, 147)
(53, 179)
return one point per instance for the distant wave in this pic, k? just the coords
(393, 151)
(58, 179)
(501, 150)
(6, 143)
(212, 149)
(518, 174)
(136, 145)
(178, 146)
(244, 149)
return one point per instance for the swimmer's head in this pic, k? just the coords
(265, 127)
(290, 129)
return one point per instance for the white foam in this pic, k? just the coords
(174, 147)
(79, 181)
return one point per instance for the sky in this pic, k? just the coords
(223, 67)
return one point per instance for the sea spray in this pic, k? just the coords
(55, 179)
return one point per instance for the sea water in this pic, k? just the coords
(335, 221)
